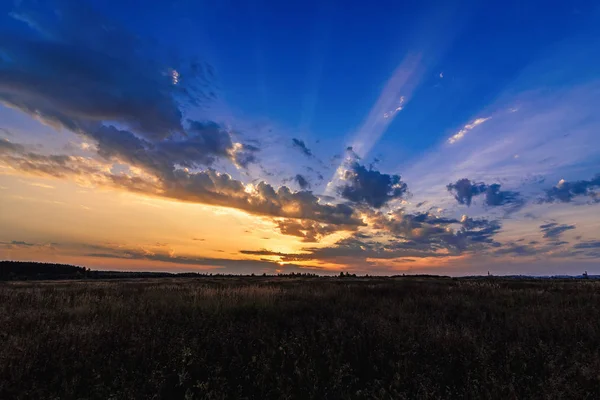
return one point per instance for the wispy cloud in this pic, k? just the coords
(41, 185)
(461, 133)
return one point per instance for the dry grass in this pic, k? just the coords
(265, 338)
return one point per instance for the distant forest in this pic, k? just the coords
(20, 271)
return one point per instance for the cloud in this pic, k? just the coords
(421, 230)
(207, 187)
(8, 147)
(553, 230)
(495, 197)
(81, 66)
(300, 145)
(515, 249)
(368, 186)
(41, 185)
(20, 244)
(566, 191)
(397, 235)
(460, 134)
(309, 231)
(85, 74)
(594, 244)
(302, 181)
(6, 131)
(464, 190)
(90, 77)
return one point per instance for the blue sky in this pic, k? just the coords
(377, 137)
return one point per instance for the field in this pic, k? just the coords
(300, 338)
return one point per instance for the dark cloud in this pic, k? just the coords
(594, 244)
(566, 191)
(19, 243)
(553, 230)
(495, 197)
(317, 174)
(515, 249)
(81, 66)
(422, 227)
(85, 74)
(370, 187)
(302, 182)
(300, 145)
(558, 243)
(425, 231)
(464, 190)
(204, 144)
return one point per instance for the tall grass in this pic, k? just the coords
(266, 338)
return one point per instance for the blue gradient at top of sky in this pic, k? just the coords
(317, 66)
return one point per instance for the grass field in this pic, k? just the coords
(287, 338)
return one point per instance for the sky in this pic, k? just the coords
(452, 138)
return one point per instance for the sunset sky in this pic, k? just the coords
(231, 136)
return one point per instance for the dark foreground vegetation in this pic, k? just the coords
(305, 338)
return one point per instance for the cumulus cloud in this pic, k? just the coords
(566, 191)
(370, 187)
(553, 230)
(464, 190)
(301, 146)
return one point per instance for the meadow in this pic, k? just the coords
(300, 338)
